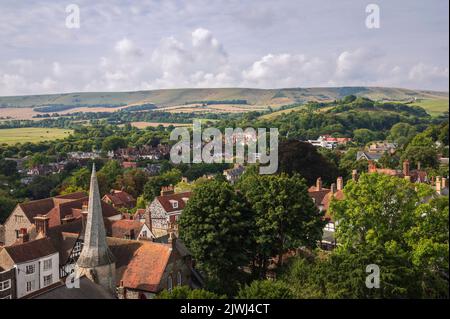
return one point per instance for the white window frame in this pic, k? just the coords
(7, 297)
(48, 264)
(31, 284)
(4, 283)
(29, 272)
(48, 280)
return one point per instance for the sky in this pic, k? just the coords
(126, 45)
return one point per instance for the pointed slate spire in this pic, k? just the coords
(95, 249)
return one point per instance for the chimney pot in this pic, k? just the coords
(444, 182)
(355, 175)
(438, 185)
(406, 168)
(333, 188)
(340, 183)
(319, 184)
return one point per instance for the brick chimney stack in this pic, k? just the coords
(42, 224)
(319, 184)
(406, 168)
(340, 183)
(438, 185)
(444, 182)
(372, 167)
(333, 188)
(355, 175)
(167, 190)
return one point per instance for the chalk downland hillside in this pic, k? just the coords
(251, 99)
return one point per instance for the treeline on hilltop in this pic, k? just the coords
(62, 107)
(341, 118)
(215, 102)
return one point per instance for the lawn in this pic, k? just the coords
(32, 135)
(433, 107)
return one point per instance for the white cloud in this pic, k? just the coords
(285, 70)
(127, 49)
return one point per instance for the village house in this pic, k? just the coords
(144, 152)
(128, 229)
(232, 175)
(368, 156)
(163, 212)
(382, 147)
(129, 165)
(322, 198)
(36, 265)
(39, 214)
(329, 142)
(7, 283)
(119, 199)
(107, 267)
(415, 175)
(83, 156)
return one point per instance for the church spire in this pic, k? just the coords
(96, 260)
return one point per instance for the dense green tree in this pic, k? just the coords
(132, 181)
(42, 186)
(364, 136)
(303, 158)
(393, 223)
(78, 181)
(184, 292)
(112, 143)
(7, 205)
(215, 226)
(265, 289)
(8, 168)
(108, 175)
(153, 187)
(421, 149)
(38, 159)
(285, 217)
(401, 133)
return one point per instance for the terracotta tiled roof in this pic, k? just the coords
(339, 195)
(119, 198)
(139, 264)
(31, 250)
(120, 228)
(56, 208)
(316, 195)
(166, 201)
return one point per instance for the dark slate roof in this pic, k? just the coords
(87, 290)
(369, 155)
(31, 250)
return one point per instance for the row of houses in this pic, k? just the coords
(50, 240)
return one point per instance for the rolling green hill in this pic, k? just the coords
(272, 97)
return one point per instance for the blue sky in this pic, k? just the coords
(136, 45)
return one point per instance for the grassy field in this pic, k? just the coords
(31, 134)
(434, 107)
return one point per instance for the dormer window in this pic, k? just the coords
(174, 204)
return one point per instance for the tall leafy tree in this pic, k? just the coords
(394, 224)
(285, 217)
(215, 226)
(304, 159)
(265, 289)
